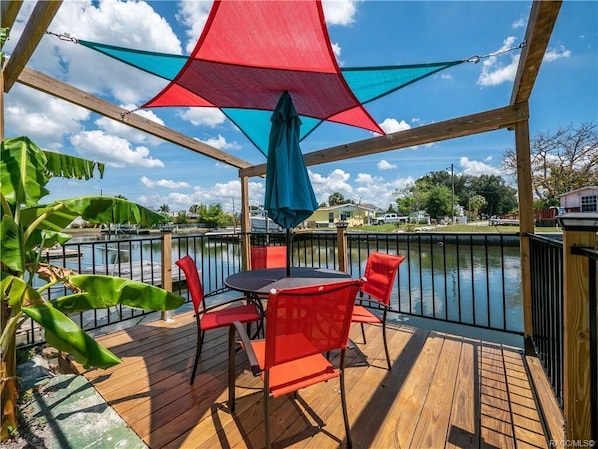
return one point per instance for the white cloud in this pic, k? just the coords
(381, 193)
(339, 12)
(211, 117)
(476, 168)
(519, 23)
(336, 181)
(131, 24)
(120, 129)
(166, 183)
(391, 125)
(112, 150)
(128, 24)
(554, 54)
(365, 178)
(193, 15)
(385, 165)
(494, 72)
(45, 119)
(336, 49)
(446, 76)
(221, 143)
(227, 194)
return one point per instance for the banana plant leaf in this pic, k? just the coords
(18, 292)
(63, 334)
(25, 169)
(71, 167)
(105, 291)
(11, 245)
(22, 171)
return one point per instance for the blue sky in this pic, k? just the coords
(363, 33)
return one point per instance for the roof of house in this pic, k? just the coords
(581, 189)
(350, 206)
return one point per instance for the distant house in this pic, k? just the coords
(419, 217)
(584, 199)
(354, 215)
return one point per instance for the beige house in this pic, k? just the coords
(354, 215)
(584, 199)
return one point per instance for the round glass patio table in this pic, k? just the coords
(260, 282)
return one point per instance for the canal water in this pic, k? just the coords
(456, 280)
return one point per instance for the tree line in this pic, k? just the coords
(562, 160)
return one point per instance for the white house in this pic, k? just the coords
(584, 199)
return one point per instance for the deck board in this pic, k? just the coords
(442, 391)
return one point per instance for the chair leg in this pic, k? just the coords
(344, 400)
(200, 335)
(363, 333)
(267, 408)
(231, 369)
(385, 340)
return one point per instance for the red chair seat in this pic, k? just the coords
(207, 320)
(296, 374)
(363, 315)
(224, 317)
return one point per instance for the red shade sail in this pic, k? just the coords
(250, 52)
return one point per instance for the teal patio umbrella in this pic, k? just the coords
(289, 196)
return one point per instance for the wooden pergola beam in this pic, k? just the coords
(459, 127)
(541, 21)
(36, 26)
(9, 11)
(58, 89)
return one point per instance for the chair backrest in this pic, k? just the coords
(187, 264)
(380, 274)
(268, 257)
(304, 321)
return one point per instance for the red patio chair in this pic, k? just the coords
(380, 274)
(212, 319)
(302, 323)
(268, 257)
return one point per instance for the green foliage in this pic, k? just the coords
(336, 199)
(213, 216)
(437, 202)
(498, 198)
(27, 227)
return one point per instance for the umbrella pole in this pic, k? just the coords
(289, 246)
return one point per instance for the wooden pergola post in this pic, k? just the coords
(245, 226)
(576, 334)
(341, 237)
(166, 261)
(526, 218)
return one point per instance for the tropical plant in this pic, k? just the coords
(26, 228)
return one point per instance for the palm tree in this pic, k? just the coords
(164, 208)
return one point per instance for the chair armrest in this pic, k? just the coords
(255, 367)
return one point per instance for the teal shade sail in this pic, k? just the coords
(366, 83)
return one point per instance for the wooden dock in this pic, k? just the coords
(443, 391)
(148, 272)
(59, 253)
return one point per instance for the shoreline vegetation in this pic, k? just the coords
(478, 227)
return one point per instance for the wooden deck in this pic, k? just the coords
(443, 392)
